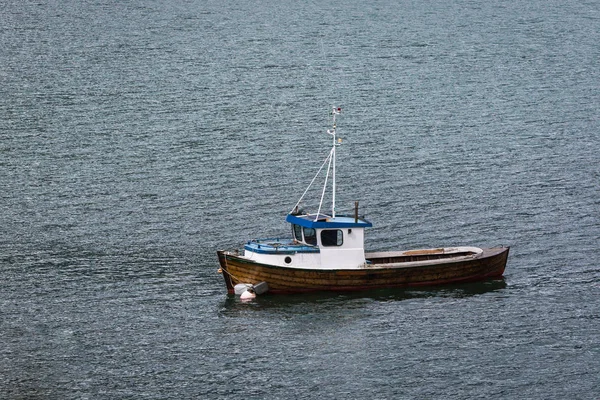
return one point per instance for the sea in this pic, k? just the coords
(137, 138)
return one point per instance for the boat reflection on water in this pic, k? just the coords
(457, 291)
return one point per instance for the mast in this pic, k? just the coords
(335, 111)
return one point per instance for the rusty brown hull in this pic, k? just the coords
(490, 264)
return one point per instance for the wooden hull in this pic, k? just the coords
(489, 264)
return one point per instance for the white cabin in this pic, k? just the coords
(318, 241)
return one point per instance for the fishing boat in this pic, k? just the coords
(325, 252)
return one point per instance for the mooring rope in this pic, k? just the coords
(225, 269)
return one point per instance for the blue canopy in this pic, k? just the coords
(325, 221)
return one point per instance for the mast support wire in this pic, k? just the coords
(331, 160)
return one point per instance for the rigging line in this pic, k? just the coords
(311, 182)
(325, 185)
(326, 86)
(321, 70)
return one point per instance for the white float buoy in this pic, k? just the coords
(260, 288)
(241, 288)
(248, 295)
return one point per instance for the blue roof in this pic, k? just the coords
(325, 221)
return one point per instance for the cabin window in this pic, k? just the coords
(297, 230)
(332, 237)
(310, 236)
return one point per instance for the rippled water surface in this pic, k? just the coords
(137, 138)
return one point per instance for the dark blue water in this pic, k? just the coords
(137, 138)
